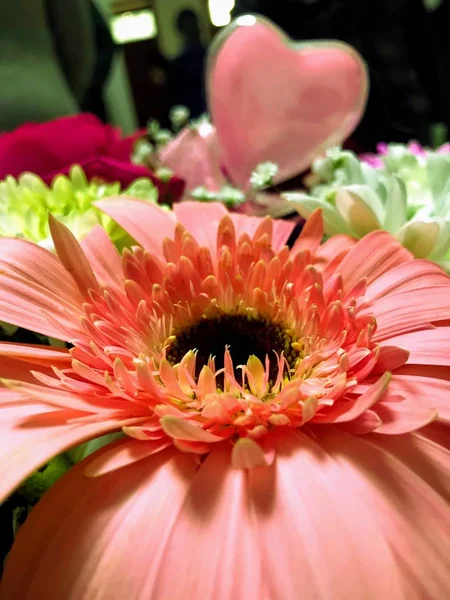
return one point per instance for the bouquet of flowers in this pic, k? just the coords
(198, 401)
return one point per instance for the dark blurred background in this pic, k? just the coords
(129, 61)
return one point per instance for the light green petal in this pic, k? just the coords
(339, 167)
(305, 205)
(369, 197)
(419, 237)
(438, 172)
(399, 157)
(357, 208)
(371, 176)
(78, 178)
(142, 188)
(442, 245)
(395, 205)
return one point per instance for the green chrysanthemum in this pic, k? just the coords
(403, 191)
(25, 203)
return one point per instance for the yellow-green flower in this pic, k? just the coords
(25, 203)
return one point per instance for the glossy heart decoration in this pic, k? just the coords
(274, 99)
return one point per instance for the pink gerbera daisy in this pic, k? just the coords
(280, 408)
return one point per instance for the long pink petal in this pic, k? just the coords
(425, 454)
(118, 526)
(424, 392)
(375, 254)
(390, 357)
(346, 411)
(311, 234)
(439, 435)
(148, 224)
(10, 368)
(38, 355)
(281, 230)
(92, 403)
(409, 310)
(408, 508)
(248, 454)
(32, 433)
(411, 275)
(403, 417)
(72, 256)
(338, 245)
(429, 347)
(37, 292)
(365, 423)
(221, 558)
(201, 220)
(181, 429)
(125, 454)
(318, 536)
(103, 257)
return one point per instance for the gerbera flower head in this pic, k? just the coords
(26, 201)
(260, 390)
(404, 190)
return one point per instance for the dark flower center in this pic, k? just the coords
(243, 334)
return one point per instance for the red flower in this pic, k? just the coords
(49, 149)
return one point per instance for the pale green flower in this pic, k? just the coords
(405, 194)
(262, 176)
(25, 203)
(179, 116)
(228, 195)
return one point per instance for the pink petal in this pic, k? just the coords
(148, 224)
(403, 417)
(365, 423)
(248, 454)
(45, 356)
(72, 256)
(407, 311)
(411, 275)
(103, 257)
(11, 368)
(91, 403)
(438, 435)
(406, 506)
(424, 392)
(318, 536)
(345, 411)
(185, 430)
(118, 526)
(425, 454)
(429, 347)
(37, 292)
(191, 156)
(32, 433)
(311, 234)
(123, 454)
(375, 254)
(221, 558)
(201, 220)
(336, 246)
(390, 357)
(281, 230)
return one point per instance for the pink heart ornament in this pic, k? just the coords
(272, 99)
